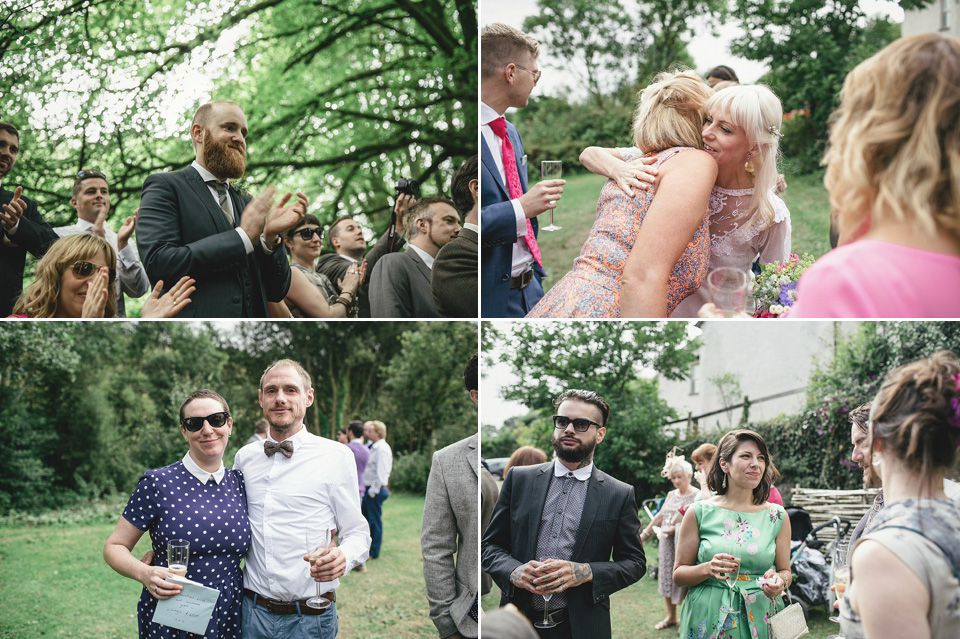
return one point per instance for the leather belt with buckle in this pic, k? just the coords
(521, 281)
(288, 607)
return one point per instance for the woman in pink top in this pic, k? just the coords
(892, 172)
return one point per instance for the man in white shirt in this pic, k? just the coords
(91, 199)
(400, 284)
(376, 477)
(296, 482)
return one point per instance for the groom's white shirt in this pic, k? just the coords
(522, 257)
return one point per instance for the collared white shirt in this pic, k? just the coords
(206, 176)
(581, 474)
(522, 257)
(377, 473)
(426, 257)
(130, 273)
(473, 227)
(314, 489)
(203, 475)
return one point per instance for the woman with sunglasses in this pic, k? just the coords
(75, 280)
(196, 499)
(312, 294)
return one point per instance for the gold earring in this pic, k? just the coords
(750, 165)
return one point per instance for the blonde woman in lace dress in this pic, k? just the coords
(747, 220)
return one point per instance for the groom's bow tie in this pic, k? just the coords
(285, 448)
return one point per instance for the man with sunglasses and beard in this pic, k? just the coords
(90, 197)
(296, 482)
(556, 525)
(193, 222)
(21, 227)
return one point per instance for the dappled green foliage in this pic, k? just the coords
(342, 98)
(90, 406)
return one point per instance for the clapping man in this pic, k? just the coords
(21, 227)
(90, 197)
(193, 222)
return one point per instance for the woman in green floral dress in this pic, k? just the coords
(733, 551)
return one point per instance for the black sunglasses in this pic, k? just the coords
(83, 268)
(579, 424)
(193, 424)
(306, 234)
(90, 173)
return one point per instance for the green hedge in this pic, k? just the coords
(410, 472)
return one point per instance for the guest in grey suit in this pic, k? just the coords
(400, 284)
(450, 528)
(193, 222)
(573, 516)
(454, 278)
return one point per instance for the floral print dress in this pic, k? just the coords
(711, 609)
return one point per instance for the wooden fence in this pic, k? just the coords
(822, 505)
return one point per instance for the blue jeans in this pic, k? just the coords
(372, 509)
(260, 623)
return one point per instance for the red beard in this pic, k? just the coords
(222, 160)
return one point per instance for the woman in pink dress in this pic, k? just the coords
(646, 253)
(893, 173)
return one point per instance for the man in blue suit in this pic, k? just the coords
(511, 267)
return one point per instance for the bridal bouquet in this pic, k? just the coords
(775, 289)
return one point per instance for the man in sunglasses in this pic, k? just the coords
(194, 222)
(296, 482)
(21, 227)
(571, 518)
(90, 197)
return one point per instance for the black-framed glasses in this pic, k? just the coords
(90, 173)
(306, 233)
(83, 268)
(536, 74)
(193, 424)
(580, 424)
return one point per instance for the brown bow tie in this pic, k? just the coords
(285, 448)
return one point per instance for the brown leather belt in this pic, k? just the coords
(521, 281)
(288, 607)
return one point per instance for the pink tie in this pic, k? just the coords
(499, 127)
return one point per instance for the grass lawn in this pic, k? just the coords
(635, 610)
(54, 583)
(805, 197)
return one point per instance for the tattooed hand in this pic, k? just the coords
(523, 575)
(557, 576)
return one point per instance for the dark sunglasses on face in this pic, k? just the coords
(86, 269)
(306, 234)
(579, 424)
(193, 424)
(90, 173)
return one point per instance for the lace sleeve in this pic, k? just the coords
(774, 241)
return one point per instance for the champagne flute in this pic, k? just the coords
(317, 542)
(728, 288)
(547, 621)
(841, 576)
(178, 556)
(551, 170)
(734, 551)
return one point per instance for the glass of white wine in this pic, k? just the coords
(317, 542)
(841, 576)
(178, 556)
(547, 621)
(551, 170)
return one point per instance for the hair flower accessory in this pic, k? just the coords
(774, 131)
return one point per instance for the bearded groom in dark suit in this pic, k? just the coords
(573, 516)
(193, 222)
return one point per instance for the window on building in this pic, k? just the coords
(946, 14)
(695, 377)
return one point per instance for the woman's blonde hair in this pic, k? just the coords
(43, 295)
(894, 148)
(758, 111)
(670, 112)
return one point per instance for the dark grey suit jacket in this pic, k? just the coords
(609, 524)
(400, 287)
(181, 231)
(453, 282)
(335, 267)
(34, 235)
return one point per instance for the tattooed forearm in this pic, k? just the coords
(516, 575)
(581, 573)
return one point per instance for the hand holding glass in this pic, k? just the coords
(178, 556)
(547, 621)
(728, 288)
(317, 542)
(551, 170)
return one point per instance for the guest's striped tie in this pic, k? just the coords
(221, 188)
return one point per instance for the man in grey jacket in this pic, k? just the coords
(450, 528)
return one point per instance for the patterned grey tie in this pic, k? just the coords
(221, 188)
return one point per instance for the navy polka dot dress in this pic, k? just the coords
(173, 504)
